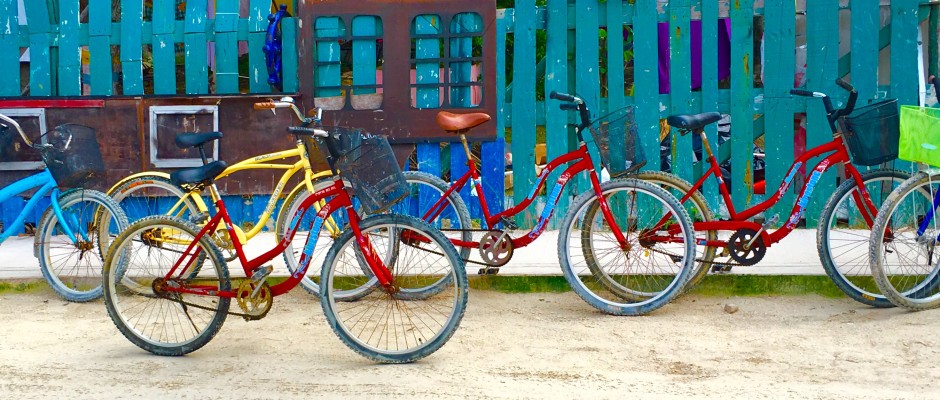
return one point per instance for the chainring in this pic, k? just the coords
(746, 256)
(496, 252)
(254, 307)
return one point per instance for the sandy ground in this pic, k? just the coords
(541, 345)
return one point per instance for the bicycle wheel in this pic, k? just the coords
(453, 219)
(73, 267)
(391, 326)
(843, 235)
(146, 195)
(904, 262)
(161, 322)
(698, 211)
(649, 272)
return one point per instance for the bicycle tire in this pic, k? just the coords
(458, 208)
(911, 287)
(120, 273)
(291, 255)
(76, 277)
(126, 189)
(845, 263)
(642, 298)
(698, 210)
(421, 337)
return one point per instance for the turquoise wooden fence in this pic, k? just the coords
(572, 63)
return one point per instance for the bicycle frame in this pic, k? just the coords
(581, 159)
(741, 220)
(340, 201)
(46, 184)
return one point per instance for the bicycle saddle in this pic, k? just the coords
(198, 175)
(460, 122)
(195, 139)
(692, 121)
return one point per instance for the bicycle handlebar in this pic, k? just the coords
(563, 97)
(578, 105)
(287, 102)
(804, 93)
(300, 130)
(14, 124)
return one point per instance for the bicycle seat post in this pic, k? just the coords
(466, 148)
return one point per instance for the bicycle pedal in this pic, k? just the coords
(508, 224)
(261, 273)
(200, 218)
(721, 268)
(488, 271)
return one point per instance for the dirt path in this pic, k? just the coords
(539, 345)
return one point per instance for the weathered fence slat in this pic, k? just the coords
(257, 29)
(523, 116)
(904, 82)
(615, 76)
(742, 78)
(194, 42)
(9, 48)
(822, 40)
(556, 79)
(132, 14)
(226, 46)
(289, 54)
(460, 72)
(778, 111)
(646, 80)
(70, 67)
(428, 154)
(163, 47)
(709, 91)
(680, 82)
(99, 47)
(587, 72)
(40, 57)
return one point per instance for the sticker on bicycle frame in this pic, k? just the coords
(307, 255)
(547, 212)
(789, 178)
(807, 192)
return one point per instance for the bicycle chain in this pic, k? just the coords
(201, 307)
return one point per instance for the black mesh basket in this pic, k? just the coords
(71, 153)
(619, 158)
(872, 133)
(369, 165)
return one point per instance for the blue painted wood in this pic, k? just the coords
(821, 73)
(556, 79)
(194, 45)
(327, 51)
(458, 167)
(289, 55)
(99, 47)
(709, 90)
(9, 48)
(257, 26)
(646, 79)
(364, 60)
(427, 72)
(491, 170)
(226, 46)
(131, 54)
(461, 71)
(69, 57)
(40, 65)
(742, 120)
(523, 117)
(163, 47)
(680, 82)
(778, 80)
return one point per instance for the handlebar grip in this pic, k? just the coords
(267, 105)
(568, 107)
(801, 92)
(845, 85)
(561, 96)
(299, 130)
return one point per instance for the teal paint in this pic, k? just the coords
(163, 47)
(680, 83)
(289, 62)
(327, 50)
(821, 72)
(523, 116)
(132, 14)
(646, 80)
(779, 34)
(257, 26)
(69, 55)
(587, 73)
(709, 90)
(226, 46)
(742, 122)
(427, 72)
(194, 48)
(40, 58)
(9, 48)
(363, 50)
(556, 79)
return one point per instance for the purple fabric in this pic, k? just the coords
(724, 53)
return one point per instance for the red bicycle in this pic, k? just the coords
(603, 248)
(392, 287)
(846, 220)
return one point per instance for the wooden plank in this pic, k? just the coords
(427, 72)
(327, 51)
(779, 34)
(257, 27)
(364, 60)
(587, 73)
(502, 114)
(864, 33)
(904, 80)
(709, 90)
(680, 82)
(429, 160)
(523, 116)
(132, 14)
(742, 121)
(9, 48)
(69, 56)
(821, 72)
(163, 47)
(289, 61)
(226, 46)
(492, 164)
(646, 79)
(40, 57)
(556, 79)
(99, 47)
(615, 76)
(458, 167)
(461, 71)
(194, 44)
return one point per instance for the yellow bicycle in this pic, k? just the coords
(157, 193)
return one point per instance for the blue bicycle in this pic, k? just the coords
(73, 234)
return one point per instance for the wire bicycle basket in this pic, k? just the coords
(367, 162)
(71, 154)
(872, 133)
(617, 142)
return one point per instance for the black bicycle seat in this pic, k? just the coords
(692, 121)
(195, 139)
(198, 175)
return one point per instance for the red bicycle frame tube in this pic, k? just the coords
(741, 220)
(582, 162)
(340, 200)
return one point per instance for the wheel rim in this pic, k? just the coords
(75, 268)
